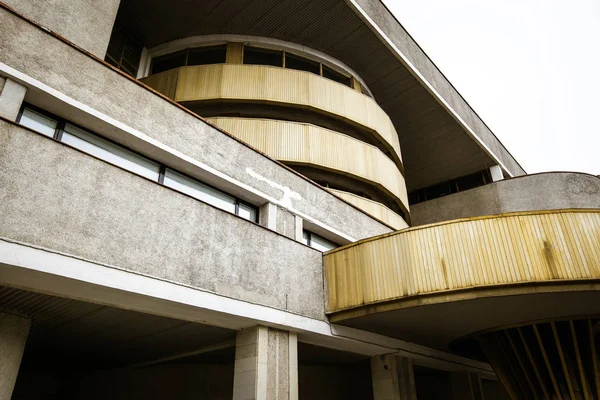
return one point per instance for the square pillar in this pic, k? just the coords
(496, 173)
(266, 365)
(13, 335)
(393, 378)
(11, 98)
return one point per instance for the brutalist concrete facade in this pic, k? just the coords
(115, 283)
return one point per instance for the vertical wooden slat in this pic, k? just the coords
(533, 364)
(584, 383)
(562, 360)
(547, 362)
(524, 368)
(594, 356)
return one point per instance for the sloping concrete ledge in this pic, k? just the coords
(91, 82)
(55, 197)
(544, 191)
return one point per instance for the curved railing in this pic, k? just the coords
(515, 253)
(306, 144)
(373, 208)
(272, 85)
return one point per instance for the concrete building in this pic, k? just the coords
(274, 199)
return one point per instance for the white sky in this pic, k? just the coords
(529, 68)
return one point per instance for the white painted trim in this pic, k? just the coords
(31, 268)
(202, 169)
(428, 85)
(258, 41)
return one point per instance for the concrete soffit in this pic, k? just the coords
(27, 267)
(363, 14)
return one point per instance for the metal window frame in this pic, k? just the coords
(60, 128)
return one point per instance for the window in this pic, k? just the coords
(90, 143)
(38, 122)
(336, 76)
(257, 56)
(124, 52)
(110, 152)
(450, 187)
(207, 55)
(169, 61)
(317, 242)
(199, 190)
(302, 64)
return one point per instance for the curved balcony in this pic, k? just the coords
(373, 208)
(306, 144)
(438, 283)
(278, 86)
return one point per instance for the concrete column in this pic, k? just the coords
(13, 335)
(11, 98)
(465, 386)
(496, 173)
(266, 365)
(393, 378)
(279, 220)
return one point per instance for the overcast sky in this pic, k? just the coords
(529, 68)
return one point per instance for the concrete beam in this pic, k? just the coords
(13, 335)
(11, 98)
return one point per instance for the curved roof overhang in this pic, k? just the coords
(439, 283)
(440, 135)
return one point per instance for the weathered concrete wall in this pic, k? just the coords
(59, 198)
(401, 39)
(58, 65)
(546, 191)
(87, 23)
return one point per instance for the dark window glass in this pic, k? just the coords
(169, 61)
(302, 64)
(256, 56)
(336, 76)
(470, 181)
(123, 52)
(443, 189)
(207, 55)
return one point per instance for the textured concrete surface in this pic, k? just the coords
(11, 98)
(87, 23)
(63, 68)
(13, 335)
(266, 365)
(59, 198)
(545, 191)
(411, 50)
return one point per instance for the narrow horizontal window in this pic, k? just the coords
(38, 122)
(113, 153)
(336, 76)
(110, 152)
(169, 61)
(302, 64)
(207, 55)
(199, 191)
(248, 212)
(257, 56)
(317, 242)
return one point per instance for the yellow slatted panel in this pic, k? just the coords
(282, 86)
(373, 208)
(165, 82)
(517, 248)
(312, 145)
